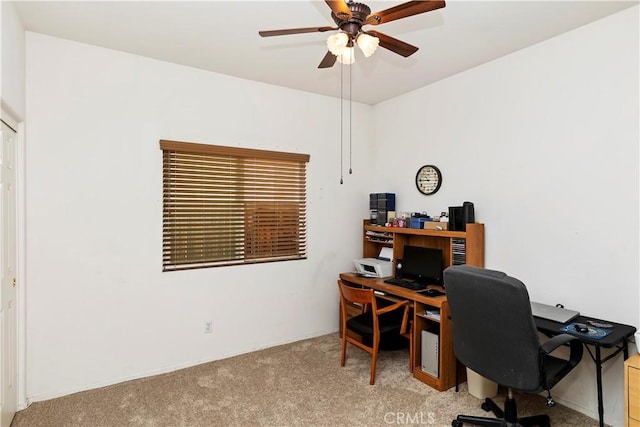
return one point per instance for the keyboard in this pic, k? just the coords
(409, 284)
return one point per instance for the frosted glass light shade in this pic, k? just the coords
(348, 56)
(367, 44)
(337, 43)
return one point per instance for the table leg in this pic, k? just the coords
(599, 384)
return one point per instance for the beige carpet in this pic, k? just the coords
(299, 384)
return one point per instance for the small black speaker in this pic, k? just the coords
(399, 268)
(468, 213)
(455, 218)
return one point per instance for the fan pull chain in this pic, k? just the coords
(350, 121)
(341, 96)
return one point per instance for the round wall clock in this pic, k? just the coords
(428, 179)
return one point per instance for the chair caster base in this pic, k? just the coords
(550, 402)
(503, 418)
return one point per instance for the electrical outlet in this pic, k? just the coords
(208, 327)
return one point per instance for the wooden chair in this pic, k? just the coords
(372, 322)
(408, 334)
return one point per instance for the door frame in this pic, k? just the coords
(19, 126)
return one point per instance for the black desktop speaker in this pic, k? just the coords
(468, 213)
(455, 218)
(399, 268)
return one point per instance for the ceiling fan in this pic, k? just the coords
(350, 17)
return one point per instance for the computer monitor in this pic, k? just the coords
(422, 264)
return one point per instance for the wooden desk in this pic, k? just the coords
(447, 362)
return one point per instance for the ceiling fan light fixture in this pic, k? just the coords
(347, 56)
(337, 43)
(367, 44)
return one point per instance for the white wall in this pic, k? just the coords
(545, 143)
(99, 308)
(12, 88)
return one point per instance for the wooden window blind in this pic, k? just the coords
(227, 206)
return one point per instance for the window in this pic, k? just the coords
(227, 206)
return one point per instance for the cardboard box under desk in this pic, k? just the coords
(431, 225)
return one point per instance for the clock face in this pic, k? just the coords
(428, 179)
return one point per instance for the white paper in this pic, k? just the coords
(386, 253)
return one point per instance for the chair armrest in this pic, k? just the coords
(575, 345)
(405, 317)
(575, 355)
(556, 342)
(392, 307)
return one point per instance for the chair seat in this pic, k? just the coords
(362, 324)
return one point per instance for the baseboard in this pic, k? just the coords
(575, 406)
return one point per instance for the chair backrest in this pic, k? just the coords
(365, 297)
(357, 295)
(494, 333)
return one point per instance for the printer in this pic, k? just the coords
(380, 266)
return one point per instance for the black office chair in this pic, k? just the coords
(494, 334)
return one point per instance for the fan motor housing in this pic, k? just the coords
(359, 13)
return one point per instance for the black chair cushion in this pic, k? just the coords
(362, 324)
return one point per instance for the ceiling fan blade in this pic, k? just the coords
(403, 10)
(340, 9)
(393, 44)
(295, 31)
(328, 60)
